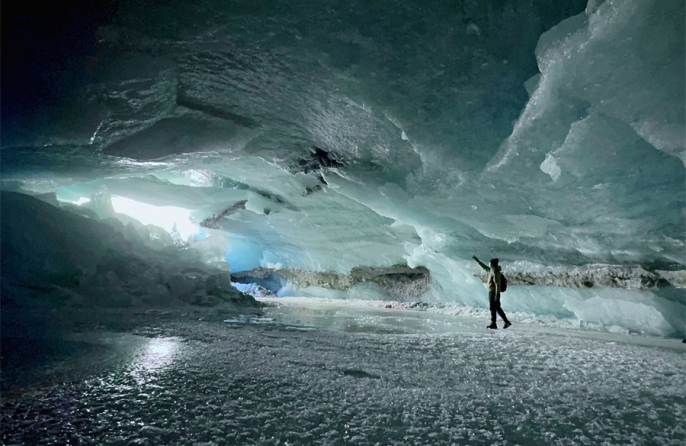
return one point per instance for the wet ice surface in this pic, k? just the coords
(333, 374)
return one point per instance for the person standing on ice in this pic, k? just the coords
(493, 284)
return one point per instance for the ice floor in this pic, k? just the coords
(320, 373)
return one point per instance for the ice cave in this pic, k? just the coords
(253, 222)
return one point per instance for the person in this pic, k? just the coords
(493, 285)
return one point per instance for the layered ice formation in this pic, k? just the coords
(321, 139)
(50, 255)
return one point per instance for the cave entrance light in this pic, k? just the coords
(166, 217)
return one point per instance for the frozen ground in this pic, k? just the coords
(314, 372)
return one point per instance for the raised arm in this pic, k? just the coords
(483, 265)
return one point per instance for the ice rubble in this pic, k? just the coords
(65, 258)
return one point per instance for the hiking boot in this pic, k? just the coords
(493, 327)
(507, 324)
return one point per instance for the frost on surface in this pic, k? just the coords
(336, 376)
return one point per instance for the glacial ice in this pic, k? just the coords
(252, 222)
(56, 257)
(423, 135)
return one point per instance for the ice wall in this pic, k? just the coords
(326, 136)
(54, 257)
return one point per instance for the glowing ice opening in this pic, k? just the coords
(166, 217)
(243, 255)
(83, 200)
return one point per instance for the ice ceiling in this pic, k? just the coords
(325, 135)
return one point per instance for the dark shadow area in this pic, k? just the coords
(49, 51)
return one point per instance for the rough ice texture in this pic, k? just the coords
(676, 278)
(57, 255)
(372, 381)
(596, 275)
(398, 281)
(253, 289)
(442, 147)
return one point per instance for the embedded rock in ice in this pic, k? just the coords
(398, 281)
(213, 221)
(676, 278)
(253, 289)
(317, 160)
(261, 277)
(592, 276)
(324, 279)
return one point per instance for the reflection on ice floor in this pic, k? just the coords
(373, 317)
(334, 374)
(157, 354)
